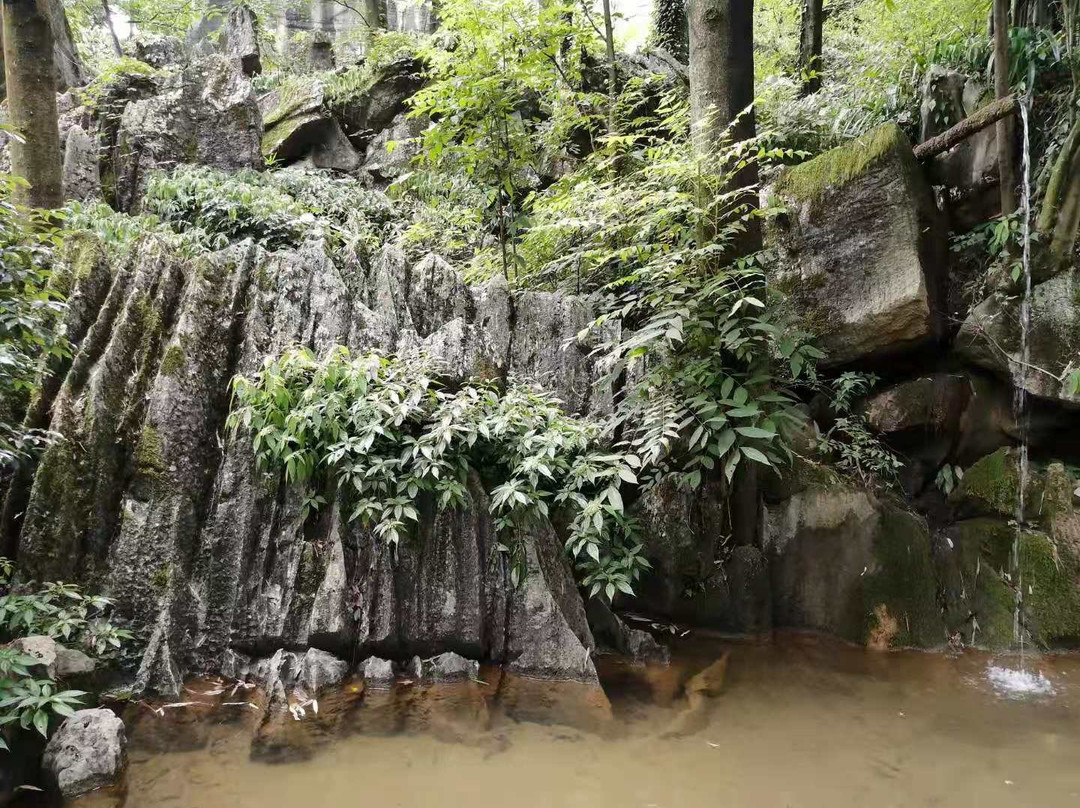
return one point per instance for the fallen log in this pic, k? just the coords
(976, 122)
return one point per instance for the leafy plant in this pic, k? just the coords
(850, 443)
(56, 610)
(381, 430)
(948, 477)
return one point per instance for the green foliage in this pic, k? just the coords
(385, 48)
(30, 320)
(55, 610)
(278, 209)
(381, 430)
(671, 29)
(850, 443)
(706, 362)
(948, 477)
(507, 56)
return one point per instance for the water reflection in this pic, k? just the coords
(801, 723)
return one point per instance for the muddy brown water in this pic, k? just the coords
(802, 723)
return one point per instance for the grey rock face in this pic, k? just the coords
(447, 667)
(366, 113)
(843, 562)
(207, 114)
(88, 751)
(209, 558)
(411, 16)
(81, 175)
(156, 50)
(242, 40)
(990, 338)
(861, 250)
(55, 660)
(376, 672)
(404, 132)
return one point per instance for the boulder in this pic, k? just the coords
(156, 50)
(53, 659)
(207, 115)
(861, 248)
(242, 39)
(296, 96)
(845, 562)
(969, 170)
(932, 403)
(991, 338)
(367, 110)
(444, 668)
(87, 752)
(377, 673)
(404, 132)
(611, 630)
(81, 174)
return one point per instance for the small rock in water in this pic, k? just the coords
(1017, 684)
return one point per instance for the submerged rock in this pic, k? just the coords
(87, 752)
(861, 248)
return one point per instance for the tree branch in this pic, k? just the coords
(979, 120)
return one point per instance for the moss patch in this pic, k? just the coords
(148, 458)
(1051, 574)
(992, 486)
(808, 181)
(900, 595)
(173, 361)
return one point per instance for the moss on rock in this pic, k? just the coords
(834, 169)
(173, 360)
(992, 486)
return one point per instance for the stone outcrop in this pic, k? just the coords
(844, 562)
(206, 556)
(81, 171)
(87, 752)
(242, 39)
(991, 338)
(206, 113)
(861, 248)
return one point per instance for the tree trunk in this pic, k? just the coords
(112, 28)
(68, 67)
(1007, 168)
(609, 40)
(1059, 218)
(810, 46)
(722, 86)
(31, 88)
(671, 27)
(976, 122)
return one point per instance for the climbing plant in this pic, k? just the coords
(383, 429)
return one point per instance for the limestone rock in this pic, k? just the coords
(88, 751)
(405, 133)
(242, 39)
(207, 115)
(411, 16)
(377, 672)
(55, 660)
(846, 563)
(157, 50)
(81, 175)
(611, 630)
(990, 338)
(370, 109)
(933, 403)
(861, 246)
(447, 667)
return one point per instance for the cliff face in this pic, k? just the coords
(147, 499)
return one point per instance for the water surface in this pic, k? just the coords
(803, 723)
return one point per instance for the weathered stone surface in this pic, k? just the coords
(373, 108)
(242, 39)
(88, 751)
(81, 174)
(448, 667)
(296, 96)
(377, 672)
(405, 133)
(209, 558)
(933, 403)
(53, 659)
(991, 338)
(612, 631)
(846, 563)
(156, 50)
(861, 248)
(207, 115)
(411, 16)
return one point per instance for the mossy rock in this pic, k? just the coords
(991, 486)
(978, 599)
(900, 593)
(808, 182)
(296, 96)
(287, 140)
